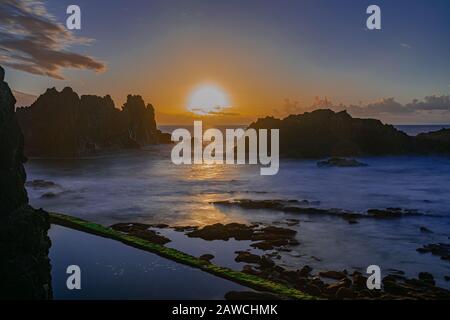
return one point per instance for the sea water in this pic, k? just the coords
(145, 186)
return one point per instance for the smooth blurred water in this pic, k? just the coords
(112, 270)
(144, 186)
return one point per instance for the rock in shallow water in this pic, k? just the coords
(206, 257)
(141, 230)
(440, 249)
(40, 184)
(266, 238)
(340, 162)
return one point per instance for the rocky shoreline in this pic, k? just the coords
(305, 207)
(328, 284)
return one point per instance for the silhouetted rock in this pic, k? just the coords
(64, 124)
(325, 133)
(302, 207)
(340, 162)
(435, 141)
(24, 264)
(12, 172)
(440, 135)
(24, 244)
(266, 238)
(438, 249)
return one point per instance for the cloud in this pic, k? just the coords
(405, 45)
(216, 110)
(383, 107)
(220, 113)
(31, 40)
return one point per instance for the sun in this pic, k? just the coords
(208, 100)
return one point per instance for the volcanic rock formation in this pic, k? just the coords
(24, 244)
(62, 124)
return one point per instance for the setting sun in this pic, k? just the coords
(207, 99)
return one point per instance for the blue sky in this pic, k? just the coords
(260, 52)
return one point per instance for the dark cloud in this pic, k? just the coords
(31, 40)
(441, 103)
(217, 111)
(221, 113)
(388, 106)
(383, 107)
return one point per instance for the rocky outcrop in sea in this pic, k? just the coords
(24, 244)
(63, 124)
(325, 133)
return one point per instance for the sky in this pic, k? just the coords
(266, 57)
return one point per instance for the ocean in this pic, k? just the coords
(144, 186)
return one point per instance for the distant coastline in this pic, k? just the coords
(409, 129)
(415, 129)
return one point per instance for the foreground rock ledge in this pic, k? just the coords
(24, 244)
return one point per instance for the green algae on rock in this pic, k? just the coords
(248, 280)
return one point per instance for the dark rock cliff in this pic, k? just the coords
(442, 135)
(64, 124)
(325, 133)
(24, 244)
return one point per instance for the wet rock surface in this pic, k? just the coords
(141, 230)
(328, 284)
(305, 207)
(247, 257)
(340, 162)
(425, 230)
(441, 250)
(391, 213)
(337, 275)
(41, 184)
(264, 238)
(206, 257)
(344, 285)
